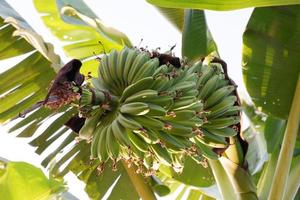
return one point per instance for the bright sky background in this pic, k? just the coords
(137, 20)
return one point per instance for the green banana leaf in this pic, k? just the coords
(271, 58)
(174, 15)
(75, 24)
(203, 177)
(20, 180)
(178, 189)
(197, 41)
(25, 83)
(220, 4)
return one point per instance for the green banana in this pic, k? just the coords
(183, 102)
(179, 130)
(101, 149)
(135, 108)
(106, 76)
(94, 145)
(112, 145)
(163, 69)
(170, 140)
(137, 141)
(211, 140)
(140, 60)
(233, 111)
(161, 83)
(128, 122)
(86, 132)
(205, 74)
(146, 70)
(156, 110)
(132, 54)
(220, 108)
(209, 87)
(220, 123)
(161, 154)
(142, 84)
(195, 68)
(206, 151)
(142, 96)
(120, 133)
(112, 70)
(192, 92)
(121, 65)
(164, 101)
(197, 106)
(180, 115)
(224, 132)
(183, 86)
(149, 122)
(218, 95)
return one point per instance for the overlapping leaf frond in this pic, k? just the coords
(75, 24)
(27, 83)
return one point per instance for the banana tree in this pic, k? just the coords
(152, 124)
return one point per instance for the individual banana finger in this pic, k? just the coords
(121, 65)
(94, 145)
(224, 132)
(101, 149)
(132, 54)
(127, 122)
(220, 123)
(149, 122)
(140, 85)
(218, 95)
(135, 108)
(140, 60)
(161, 154)
(209, 87)
(120, 133)
(177, 129)
(112, 145)
(170, 140)
(86, 132)
(137, 141)
(146, 70)
(142, 96)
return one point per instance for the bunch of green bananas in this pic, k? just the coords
(147, 113)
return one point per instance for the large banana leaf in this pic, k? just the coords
(75, 24)
(220, 4)
(271, 58)
(174, 15)
(26, 83)
(197, 41)
(19, 180)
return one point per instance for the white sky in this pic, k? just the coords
(137, 20)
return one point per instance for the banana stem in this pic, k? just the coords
(293, 182)
(222, 180)
(143, 189)
(286, 153)
(241, 180)
(267, 176)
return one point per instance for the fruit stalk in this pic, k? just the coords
(286, 153)
(143, 189)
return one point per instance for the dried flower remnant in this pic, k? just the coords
(64, 90)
